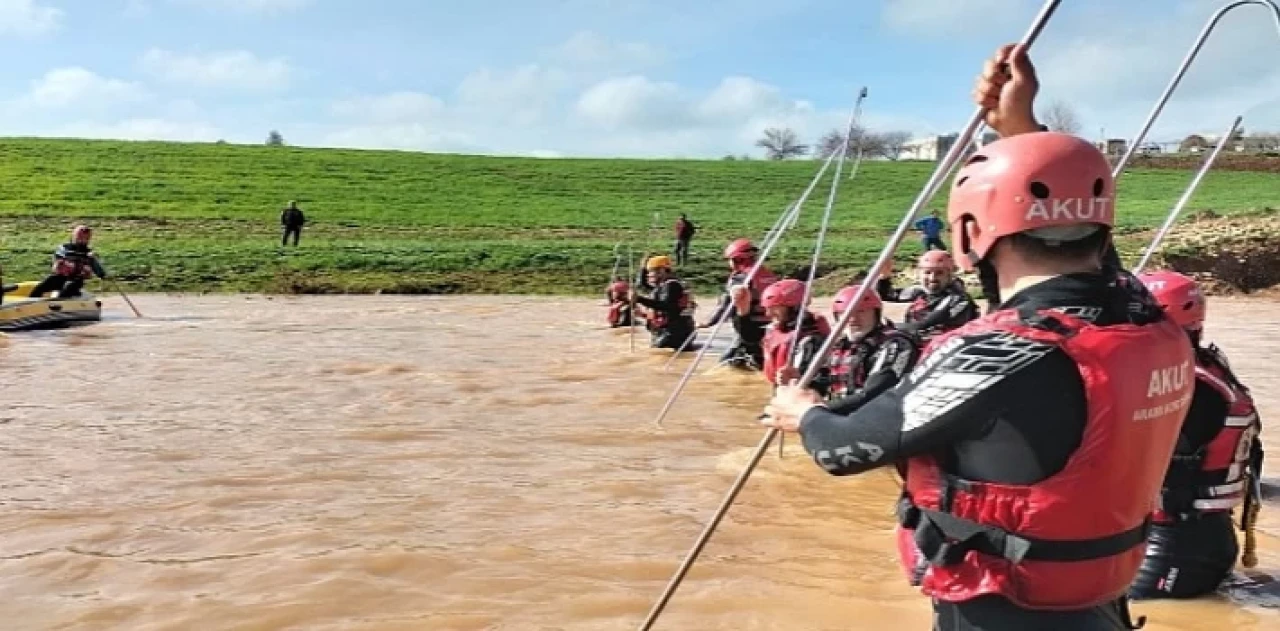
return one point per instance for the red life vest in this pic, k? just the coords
(849, 365)
(759, 283)
(777, 343)
(71, 263)
(619, 313)
(658, 318)
(1212, 479)
(1076, 539)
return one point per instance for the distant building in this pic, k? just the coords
(1113, 146)
(933, 148)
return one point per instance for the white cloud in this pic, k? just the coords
(229, 69)
(258, 7)
(737, 98)
(629, 115)
(414, 136)
(591, 49)
(77, 87)
(635, 102)
(525, 94)
(1235, 72)
(952, 17)
(28, 17)
(140, 129)
(396, 107)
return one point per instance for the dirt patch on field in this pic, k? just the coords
(1228, 255)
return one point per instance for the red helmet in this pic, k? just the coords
(741, 249)
(1179, 296)
(936, 259)
(870, 300)
(1056, 187)
(788, 292)
(81, 234)
(620, 287)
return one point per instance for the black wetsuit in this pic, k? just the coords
(667, 302)
(932, 313)
(1192, 556)
(880, 359)
(745, 351)
(1017, 429)
(69, 286)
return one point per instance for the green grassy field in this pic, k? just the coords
(204, 217)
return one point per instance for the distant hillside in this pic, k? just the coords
(204, 217)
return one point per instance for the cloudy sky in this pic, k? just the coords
(683, 78)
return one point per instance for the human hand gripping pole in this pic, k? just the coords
(935, 181)
(822, 234)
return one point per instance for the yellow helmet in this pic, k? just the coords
(657, 262)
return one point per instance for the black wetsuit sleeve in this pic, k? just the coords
(722, 307)
(889, 293)
(953, 311)
(669, 303)
(747, 328)
(806, 350)
(958, 393)
(1205, 418)
(891, 364)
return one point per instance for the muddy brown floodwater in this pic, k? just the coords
(444, 463)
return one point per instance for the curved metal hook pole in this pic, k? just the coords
(826, 221)
(1182, 70)
(1186, 196)
(776, 236)
(726, 316)
(930, 189)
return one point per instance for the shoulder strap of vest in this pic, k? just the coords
(1051, 321)
(1214, 354)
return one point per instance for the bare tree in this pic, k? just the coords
(1061, 117)
(830, 143)
(891, 143)
(860, 139)
(1262, 141)
(780, 144)
(274, 139)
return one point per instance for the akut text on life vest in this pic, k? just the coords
(1076, 539)
(1213, 478)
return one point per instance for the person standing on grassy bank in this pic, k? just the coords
(931, 232)
(292, 219)
(684, 234)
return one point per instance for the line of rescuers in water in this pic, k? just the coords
(986, 388)
(1078, 446)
